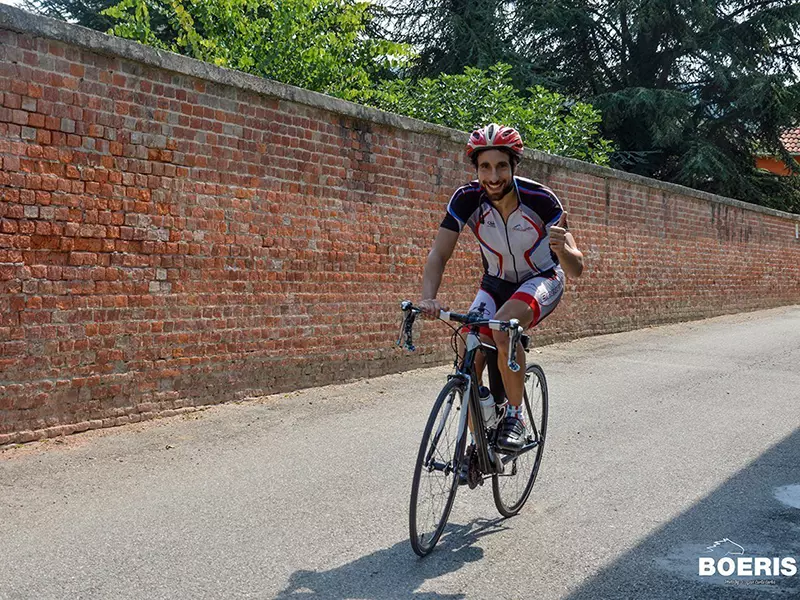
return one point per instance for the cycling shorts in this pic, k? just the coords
(542, 293)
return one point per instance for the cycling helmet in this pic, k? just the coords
(495, 136)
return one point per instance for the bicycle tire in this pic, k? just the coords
(444, 444)
(525, 465)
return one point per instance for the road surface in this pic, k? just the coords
(661, 442)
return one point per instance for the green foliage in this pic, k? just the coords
(335, 46)
(547, 121)
(322, 45)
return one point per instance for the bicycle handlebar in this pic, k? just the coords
(471, 319)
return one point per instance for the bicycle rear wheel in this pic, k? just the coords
(512, 488)
(436, 473)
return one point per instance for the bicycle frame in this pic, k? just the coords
(489, 461)
(466, 371)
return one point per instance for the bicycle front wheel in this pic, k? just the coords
(512, 488)
(436, 472)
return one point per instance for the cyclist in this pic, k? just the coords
(526, 248)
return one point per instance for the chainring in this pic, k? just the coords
(474, 475)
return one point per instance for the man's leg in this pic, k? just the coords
(484, 302)
(513, 382)
(532, 302)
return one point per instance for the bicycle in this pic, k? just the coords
(444, 459)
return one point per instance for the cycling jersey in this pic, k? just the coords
(518, 249)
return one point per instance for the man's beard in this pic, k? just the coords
(500, 195)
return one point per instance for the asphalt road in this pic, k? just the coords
(661, 442)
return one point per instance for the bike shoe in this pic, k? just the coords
(511, 436)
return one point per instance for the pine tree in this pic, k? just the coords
(81, 12)
(452, 34)
(690, 90)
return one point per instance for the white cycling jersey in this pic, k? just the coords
(518, 249)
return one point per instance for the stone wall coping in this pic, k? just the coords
(20, 21)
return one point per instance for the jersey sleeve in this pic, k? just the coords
(449, 222)
(458, 211)
(551, 210)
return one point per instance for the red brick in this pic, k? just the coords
(36, 120)
(12, 101)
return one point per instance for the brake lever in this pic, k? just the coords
(404, 339)
(513, 339)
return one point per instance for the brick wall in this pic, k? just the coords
(174, 235)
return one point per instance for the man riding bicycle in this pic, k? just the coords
(526, 249)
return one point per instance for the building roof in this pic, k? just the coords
(791, 139)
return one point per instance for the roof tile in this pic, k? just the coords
(791, 139)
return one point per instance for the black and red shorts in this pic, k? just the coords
(542, 293)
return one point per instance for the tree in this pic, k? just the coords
(322, 45)
(690, 90)
(547, 121)
(328, 46)
(87, 13)
(452, 34)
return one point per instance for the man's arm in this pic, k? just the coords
(565, 248)
(442, 250)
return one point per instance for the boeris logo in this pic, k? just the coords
(727, 558)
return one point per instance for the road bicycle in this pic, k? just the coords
(445, 460)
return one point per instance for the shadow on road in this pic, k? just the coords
(742, 516)
(396, 572)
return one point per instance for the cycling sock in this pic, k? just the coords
(514, 411)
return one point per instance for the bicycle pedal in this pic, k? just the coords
(506, 451)
(497, 461)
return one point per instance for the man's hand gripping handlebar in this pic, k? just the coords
(471, 319)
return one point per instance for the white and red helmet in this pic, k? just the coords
(494, 136)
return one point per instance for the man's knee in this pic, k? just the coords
(501, 341)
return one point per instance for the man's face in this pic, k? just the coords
(494, 174)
